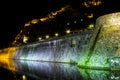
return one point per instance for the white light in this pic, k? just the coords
(24, 77)
(39, 38)
(25, 39)
(56, 34)
(47, 36)
(68, 31)
(68, 23)
(81, 19)
(75, 21)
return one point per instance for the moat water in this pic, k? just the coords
(34, 70)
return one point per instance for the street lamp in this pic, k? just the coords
(68, 31)
(56, 34)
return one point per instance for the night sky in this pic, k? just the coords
(15, 14)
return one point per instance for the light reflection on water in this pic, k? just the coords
(48, 71)
(33, 70)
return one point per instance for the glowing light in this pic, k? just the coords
(34, 21)
(90, 16)
(25, 39)
(68, 31)
(92, 3)
(47, 36)
(91, 26)
(27, 24)
(42, 19)
(81, 19)
(16, 38)
(85, 4)
(56, 34)
(53, 14)
(75, 21)
(6, 57)
(39, 38)
(24, 77)
(68, 23)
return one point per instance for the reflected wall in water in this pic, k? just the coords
(7, 63)
(44, 70)
(90, 74)
(57, 71)
(54, 71)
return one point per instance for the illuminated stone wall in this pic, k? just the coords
(91, 48)
(62, 49)
(105, 42)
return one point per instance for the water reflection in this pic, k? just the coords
(33, 70)
(48, 71)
